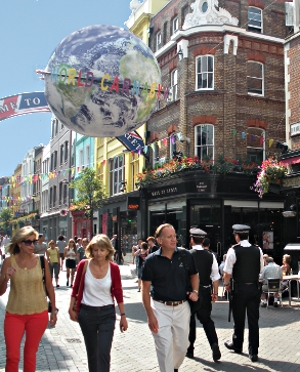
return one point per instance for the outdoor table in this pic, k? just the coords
(289, 279)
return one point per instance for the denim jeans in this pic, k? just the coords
(54, 268)
(97, 325)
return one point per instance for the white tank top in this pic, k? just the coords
(97, 292)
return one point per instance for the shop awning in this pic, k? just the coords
(293, 160)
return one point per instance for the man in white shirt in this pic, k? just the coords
(40, 246)
(271, 271)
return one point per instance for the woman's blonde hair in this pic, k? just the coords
(20, 235)
(51, 242)
(75, 246)
(102, 241)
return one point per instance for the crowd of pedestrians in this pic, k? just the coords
(177, 285)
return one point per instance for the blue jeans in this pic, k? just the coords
(54, 268)
(97, 325)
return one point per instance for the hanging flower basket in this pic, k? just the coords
(271, 172)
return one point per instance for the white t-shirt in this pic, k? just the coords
(97, 292)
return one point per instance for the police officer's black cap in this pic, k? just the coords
(240, 229)
(195, 232)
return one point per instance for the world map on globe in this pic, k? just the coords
(102, 81)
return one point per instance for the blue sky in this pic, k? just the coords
(30, 30)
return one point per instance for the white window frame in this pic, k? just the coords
(204, 71)
(172, 145)
(255, 19)
(175, 25)
(158, 40)
(155, 155)
(117, 167)
(199, 147)
(257, 148)
(173, 94)
(261, 78)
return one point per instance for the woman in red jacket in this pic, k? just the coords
(97, 285)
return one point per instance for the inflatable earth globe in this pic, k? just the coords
(102, 81)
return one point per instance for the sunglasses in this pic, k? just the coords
(29, 242)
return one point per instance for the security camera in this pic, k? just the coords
(183, 138)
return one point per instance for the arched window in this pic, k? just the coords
(255, 19)
(255, 144)
(204, 72)
(204, 141)
(255, 78)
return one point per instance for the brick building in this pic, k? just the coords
(224, 64)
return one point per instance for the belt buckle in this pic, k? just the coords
(176, 303)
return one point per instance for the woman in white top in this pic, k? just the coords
(97, 285)
(70, 254)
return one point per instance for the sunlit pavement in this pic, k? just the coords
(62, 348)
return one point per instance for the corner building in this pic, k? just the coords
(224, 64)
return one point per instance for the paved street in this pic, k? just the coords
(62, 348)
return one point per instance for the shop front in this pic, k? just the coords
(214, 203)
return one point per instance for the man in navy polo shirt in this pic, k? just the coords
(167, 309)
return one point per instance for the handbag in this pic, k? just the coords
(79, 288)
(42, 261)
(194, 305)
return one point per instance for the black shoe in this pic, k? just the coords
(190, 354)
(253, 358)
(176, 370)
(216, 352)
(67, 283)
(230, 346)
(275, 303)
(263, 304)
(57, 285)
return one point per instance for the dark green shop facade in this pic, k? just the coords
(214, 203)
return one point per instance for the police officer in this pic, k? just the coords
(244, 263)
(208, 273)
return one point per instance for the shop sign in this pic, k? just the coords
(202, 186)
(133, 203)
(291, 182)
(165, 191)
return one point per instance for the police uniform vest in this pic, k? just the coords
(204, 260)
(247, 266)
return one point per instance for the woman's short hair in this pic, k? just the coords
(287, 258)
(22, 234)
(144, 245)
(101, 241)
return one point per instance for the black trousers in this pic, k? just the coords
(247, 299)
(204, 316)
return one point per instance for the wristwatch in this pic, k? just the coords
(54, 311)
(195, 291)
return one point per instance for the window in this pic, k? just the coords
(54, 196)
(204, 141)
(175, 25)
(116, 174)
(87, 158)
(256, 145)
(205, 72)
(255, 78)
(155, 155)
(55, 160)
(165, 33)
(158, 40)
(254, 19)
(62, 154)
(60, 193)
(173, 90)
(50, 198)
(173, 138)
(134, 169)
(66, 151)
(65, 194)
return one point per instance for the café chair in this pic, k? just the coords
(274, 286)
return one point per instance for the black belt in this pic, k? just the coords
(97, 307)
(170, 303)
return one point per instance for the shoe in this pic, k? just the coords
(230, 346)
(275, 303)
(190, 354)
(139, 290)
(67, 283)
(216, 352)
(57, 285)
(176, 370)
(253, 358)
(263, 304)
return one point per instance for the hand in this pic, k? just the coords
(10, 272)
(193, 296)
(153, 323)
(73, 315)
(53, 319)
(214, 297)
(123, 324)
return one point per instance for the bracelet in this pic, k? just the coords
(195, 291)
(122, 314)
(226, 284)
(215, 294)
